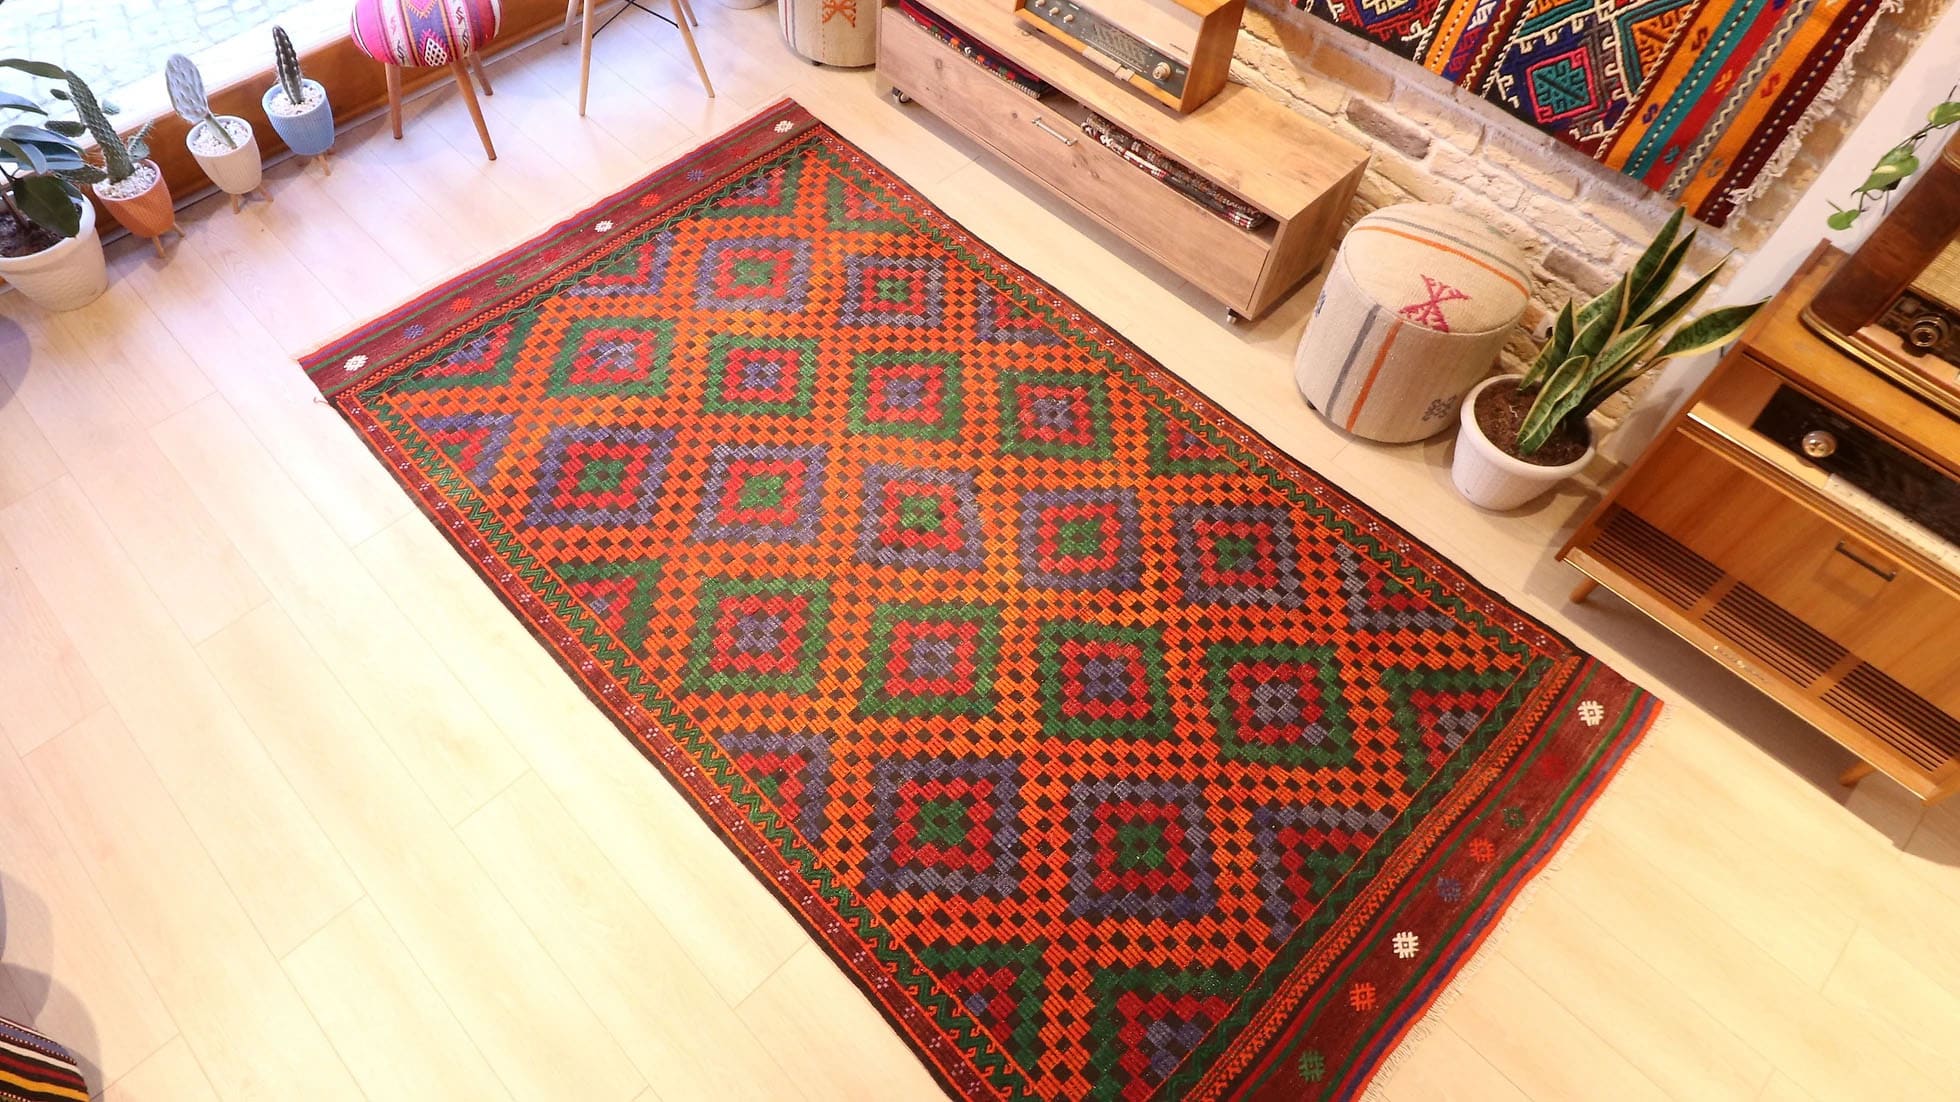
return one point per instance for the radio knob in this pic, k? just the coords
(1069, 18)
(1161, 71)
(1927, 332)
(1819, 444)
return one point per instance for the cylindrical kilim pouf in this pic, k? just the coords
(35, 1069)
(1415, 308)
(832, 32)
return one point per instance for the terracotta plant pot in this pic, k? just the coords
(147, 214)
(66, 276)
(235, 171)
(1489, 477)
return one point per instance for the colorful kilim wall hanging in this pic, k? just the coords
(1693, 98)
(1111, 752)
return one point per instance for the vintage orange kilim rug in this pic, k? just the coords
(1113, 754)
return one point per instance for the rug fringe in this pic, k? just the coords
(1377, 1089)
(1834, 89)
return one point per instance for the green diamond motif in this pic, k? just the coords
(932, 660)
(612, 356)
(1279, 704)
(790, 361)
(758, 635)
(1102, 681)
(1056, 413)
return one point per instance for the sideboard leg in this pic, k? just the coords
(1856, 773)
(1583, 590)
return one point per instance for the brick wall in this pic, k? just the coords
(1579, 222)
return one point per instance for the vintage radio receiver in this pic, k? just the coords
(1175, 51)
(1895, 304)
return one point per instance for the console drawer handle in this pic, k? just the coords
(1065, 139)
(1854, 556)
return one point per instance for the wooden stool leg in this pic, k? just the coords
(680, 20)
(571, 13)
(395, 99)
(476, 63)
(1856, 773)
(157, 244)
(1583, 590)
(462, 72)
(584, 57)
(689, 9)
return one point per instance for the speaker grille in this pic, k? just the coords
(1908, 722)
(1650, 556)
(1773, 636)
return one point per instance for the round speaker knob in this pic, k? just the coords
(1927, 331)
(1819, 444)
(1161, 71)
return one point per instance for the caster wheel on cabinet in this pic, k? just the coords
(1233, 317)
(899, 97)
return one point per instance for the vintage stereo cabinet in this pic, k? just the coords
(1302, 176)
(1175, 51)
(1799, 520)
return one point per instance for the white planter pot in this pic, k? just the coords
(1490, 479)
(235, 171)
(68, 276)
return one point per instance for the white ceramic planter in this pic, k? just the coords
(68, 276)
(235, 171)
(1490, 479)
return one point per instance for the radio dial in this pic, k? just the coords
(1819, 444)
(1161, 71)
(1927, 331)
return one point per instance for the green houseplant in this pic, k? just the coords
(297, 106)
(49, 249)
(1524, 433)
(1896, 165)
(132, 188)
(224, 145)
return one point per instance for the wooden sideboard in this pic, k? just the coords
(1298, 173)
(1725, 531)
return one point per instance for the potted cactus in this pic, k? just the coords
(224, 145)
(49, 249)
(297, 106)
(132, 188)
(1522, 434)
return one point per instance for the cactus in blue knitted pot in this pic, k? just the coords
(297, 106)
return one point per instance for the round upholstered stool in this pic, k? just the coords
(429, 34)
(1416, 306)
(831, 32)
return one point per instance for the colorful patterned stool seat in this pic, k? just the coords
(1416, 307)
(429, 34)
(35, 1069)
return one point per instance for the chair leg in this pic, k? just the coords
(693, 51)
(482, 74)
(462, 72)
(571, 13)
(689, 9)
(584, 57)
(395, 99)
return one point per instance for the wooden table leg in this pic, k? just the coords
(482, 74)
(680, 20)
(1856, 773)
(584, 57)
(395, 98)
(1583, 590)
(462, 72)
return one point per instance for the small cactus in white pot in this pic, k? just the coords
(297, 106)
(224, 145)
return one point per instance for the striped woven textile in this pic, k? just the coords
(1694, 98)
(35, 1069)
(424, 33)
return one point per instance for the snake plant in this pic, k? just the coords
(1631, 328)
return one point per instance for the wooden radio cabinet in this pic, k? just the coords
(1744, 530)
(1301, 175)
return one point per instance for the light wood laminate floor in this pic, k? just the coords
(290, 808)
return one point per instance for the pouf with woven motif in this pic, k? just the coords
(1415, 308)
(36, 1069)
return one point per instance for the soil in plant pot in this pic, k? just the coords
(286, 108)
(1500, 412)
(138, 182)
(204, 141)
(17, 242)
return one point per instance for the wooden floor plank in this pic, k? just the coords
(170, 1074)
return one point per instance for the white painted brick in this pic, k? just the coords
(1440, 115)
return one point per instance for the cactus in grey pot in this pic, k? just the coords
(285, 61)
(186, 87)
(119, 156)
